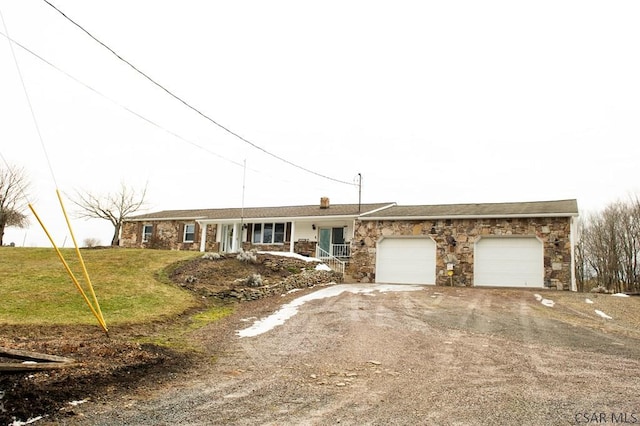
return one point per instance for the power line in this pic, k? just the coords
(188, 105)
(26, 95)
(142, 117)
(136, 114)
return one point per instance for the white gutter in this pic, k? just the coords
(148, 219)
(278, 219)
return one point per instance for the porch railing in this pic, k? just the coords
(341, 251)
(330, 260)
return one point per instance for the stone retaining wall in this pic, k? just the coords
(303, 280)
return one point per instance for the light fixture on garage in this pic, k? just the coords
(313, 226)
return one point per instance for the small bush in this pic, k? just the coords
(247, 256)
(212, 256)
(91, 242)
(158, 242)
(254, 280)
(293, 269)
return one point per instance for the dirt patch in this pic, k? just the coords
(109, 366)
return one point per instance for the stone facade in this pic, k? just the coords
(553, 232)
(167, 234)
(304, 248)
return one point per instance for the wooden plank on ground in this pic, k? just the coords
(33, 361)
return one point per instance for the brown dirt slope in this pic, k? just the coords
(109, 365)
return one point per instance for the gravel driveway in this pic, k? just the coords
(433, 356)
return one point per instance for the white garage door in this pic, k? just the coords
(406, 261)
(509, 262)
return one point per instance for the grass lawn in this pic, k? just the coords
(129, 284)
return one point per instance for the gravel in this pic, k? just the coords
(454, 356)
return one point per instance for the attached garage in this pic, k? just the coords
(406, 261)
(509, 262)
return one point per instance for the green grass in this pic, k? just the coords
(130, 285)
(176, 337)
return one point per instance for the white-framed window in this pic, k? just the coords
(147, 232)
(268, 233)
(189, 233)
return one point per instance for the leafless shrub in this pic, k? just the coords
(212, 256)
(254, 280)
(91, 242)
(158, 242)
(247, 256)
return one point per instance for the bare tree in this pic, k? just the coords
(13, 185)
(610, 246)
(115, 207)
(582, 265)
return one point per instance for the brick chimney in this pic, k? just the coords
(324, 202)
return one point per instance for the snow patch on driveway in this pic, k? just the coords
(545, 302)
(603, 315)
(291, 308)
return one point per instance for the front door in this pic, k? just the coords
(226, 239)
(328, 237)
(324, 240)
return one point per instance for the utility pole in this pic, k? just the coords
(359, 191)
(244, 178)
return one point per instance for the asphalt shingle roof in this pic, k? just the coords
(263, 212)
(377, 210)
(529, 209)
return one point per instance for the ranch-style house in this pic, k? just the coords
(519, 244)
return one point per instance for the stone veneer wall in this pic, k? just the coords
(167, 235)
(553, 232)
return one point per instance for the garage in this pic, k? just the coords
(406, 261)
(509, 262)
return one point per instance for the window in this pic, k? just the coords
(268, 233)
(278, 235)
(189, 233)
(257, 233)
(147, 232)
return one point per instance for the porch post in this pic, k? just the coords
(234, 239)
(293, 232)
(203, 237)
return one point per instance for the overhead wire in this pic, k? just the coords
(188, 105)
(95, 306)
(137, 114)
(131, 111)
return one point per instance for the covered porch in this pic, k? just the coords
(314, 237)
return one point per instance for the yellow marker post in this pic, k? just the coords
(69, 272)
(84, 268)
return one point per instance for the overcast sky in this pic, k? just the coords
(431, 101)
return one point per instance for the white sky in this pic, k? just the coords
(432, 101)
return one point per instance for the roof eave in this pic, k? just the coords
(147, 219)
(277, 218)
(489, 216)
